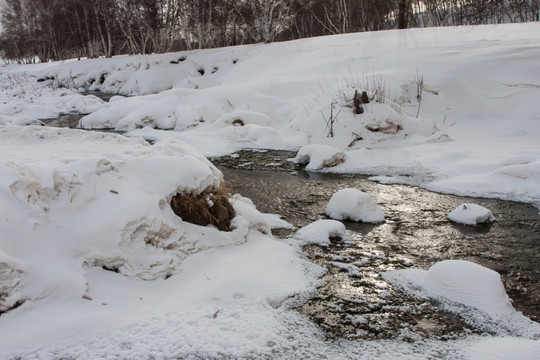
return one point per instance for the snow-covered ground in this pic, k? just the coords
(77, 203)
(476, 132)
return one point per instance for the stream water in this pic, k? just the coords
(416, 233)
(71, 120)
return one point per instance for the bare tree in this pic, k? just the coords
(265, 19)
(57, 29)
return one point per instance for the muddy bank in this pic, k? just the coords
(416, 234)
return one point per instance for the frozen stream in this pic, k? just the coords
(416, 234)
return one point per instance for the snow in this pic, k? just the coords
(320, 232)
(467, 283)
(355, 205)
(476, 80)
(461, 286)
(276, 222)
(317, 157)
(76, 203)
(471, 214)
(505, 348)
(24, 102)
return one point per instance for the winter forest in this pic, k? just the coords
(45, 30)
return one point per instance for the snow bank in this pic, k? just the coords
(24, 101)
(90, 242)
(320, 232)
(104, 193)
(355, 205)
(471, 214)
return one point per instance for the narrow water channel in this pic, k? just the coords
(71, 120)
(416, 234)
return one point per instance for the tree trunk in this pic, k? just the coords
(404, 7)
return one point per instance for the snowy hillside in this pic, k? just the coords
(95, 264)
(476, 131)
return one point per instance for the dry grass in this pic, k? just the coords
(212, 206)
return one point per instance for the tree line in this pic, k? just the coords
(43, 30)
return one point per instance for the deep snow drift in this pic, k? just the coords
(90, 244)
(94, 263)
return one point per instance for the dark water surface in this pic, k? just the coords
(71, 120)
(416, 234)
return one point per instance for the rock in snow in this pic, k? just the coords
(318, 157)
(355, 205)
(320, 232)
(471, 214)
(457, 282)
(467, 283)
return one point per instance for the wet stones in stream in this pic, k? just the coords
(69, 120)
(355, 302)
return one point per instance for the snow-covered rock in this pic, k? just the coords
(467, 283)
(355, 205)
(320, 232)
(318, 157)
(471, 214)
(471, 291)
(457, 282)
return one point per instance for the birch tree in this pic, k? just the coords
(265, 19)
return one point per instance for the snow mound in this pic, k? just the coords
(241, 118)
(320, 232)
(457, 282)
(383, 119)
(355, 205)
(469, 284)
(76, 200)
(471, 214)
(318, 157)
